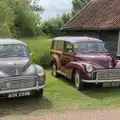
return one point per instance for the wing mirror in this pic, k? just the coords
(31, 54)
(70, 51)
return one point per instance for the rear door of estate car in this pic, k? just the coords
(66, 57)
(57, 50)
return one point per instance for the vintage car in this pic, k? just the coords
(84, 60)
(18, 77)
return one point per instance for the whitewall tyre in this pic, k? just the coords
(54, 70)
(77, 80)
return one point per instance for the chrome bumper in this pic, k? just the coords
(100, 81)
(22, 90)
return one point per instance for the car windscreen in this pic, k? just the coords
(13, 50)
(89, 47)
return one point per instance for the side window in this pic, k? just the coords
(60, 45)
(54, 46)
(68, 48)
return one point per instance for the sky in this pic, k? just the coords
(54, 7)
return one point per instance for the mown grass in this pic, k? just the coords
(64, 95)
(60, 94)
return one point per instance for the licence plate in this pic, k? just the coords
(19, 94)
(111, 84)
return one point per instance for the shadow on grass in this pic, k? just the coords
(25, 105)
(95, 91)
(66, 81)
(102, 93)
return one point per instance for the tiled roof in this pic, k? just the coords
(97, 15)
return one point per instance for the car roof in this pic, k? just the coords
(11, 41)
(77, 39)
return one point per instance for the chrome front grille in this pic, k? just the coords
(109, 74)
(18, 82)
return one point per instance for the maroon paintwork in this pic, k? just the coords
(68, 63)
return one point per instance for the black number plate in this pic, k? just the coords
(19, 94)
(111, 84)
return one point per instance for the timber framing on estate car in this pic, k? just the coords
(84, 60)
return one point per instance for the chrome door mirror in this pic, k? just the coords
(31, 54)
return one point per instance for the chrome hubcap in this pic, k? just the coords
(77, 79)
(54, 70)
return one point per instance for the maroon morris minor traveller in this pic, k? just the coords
(84, 60)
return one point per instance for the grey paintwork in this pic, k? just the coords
(11, 41)
(12, 66)
(16, 66)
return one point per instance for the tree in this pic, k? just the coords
(52, 26)
(6, 20)
(78, 5)
(36, 6)
(26, 19)
(65, 17)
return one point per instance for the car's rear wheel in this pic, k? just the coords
(54, 70)
(77, 80)
(39, 93)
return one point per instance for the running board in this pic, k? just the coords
(61, 73)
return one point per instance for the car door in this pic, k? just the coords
(66, 57)
(56, 51)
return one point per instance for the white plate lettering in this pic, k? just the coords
(19, 94)
(111, 84)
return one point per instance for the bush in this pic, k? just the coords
(43, 60)
(40, 47)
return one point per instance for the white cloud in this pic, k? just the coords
(45, 3)
(53, 7)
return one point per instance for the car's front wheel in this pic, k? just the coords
(54, 70)
(77, 80)
(39, 93)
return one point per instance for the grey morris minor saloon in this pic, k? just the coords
(18, 76)
(84, 60)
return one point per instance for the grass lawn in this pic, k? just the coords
(60, 94)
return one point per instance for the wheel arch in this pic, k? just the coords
(55, 59)
(75, 67)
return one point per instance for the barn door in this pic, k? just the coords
(118, 51)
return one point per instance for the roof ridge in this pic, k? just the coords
(77, 14)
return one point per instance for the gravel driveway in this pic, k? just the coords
(94, 114)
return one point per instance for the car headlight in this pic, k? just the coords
(89, 68)
(40, 72)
